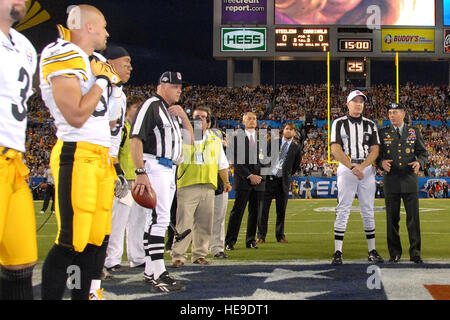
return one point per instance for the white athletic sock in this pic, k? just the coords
(95, 285)
(158, 268)
(371, 244)
(338, 245)
(370, 236)
(148, 266)
(338, 240)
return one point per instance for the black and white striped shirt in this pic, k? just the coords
(355, 136)
(160, 132)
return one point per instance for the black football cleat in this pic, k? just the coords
(165, 283)
(374, 257)
(337, 258)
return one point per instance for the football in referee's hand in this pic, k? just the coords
(146, 200)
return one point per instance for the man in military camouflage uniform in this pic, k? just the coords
(402, 154)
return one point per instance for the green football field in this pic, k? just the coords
(309, 230)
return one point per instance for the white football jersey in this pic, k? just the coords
(116, 133)
(18, 64)
(65, 58)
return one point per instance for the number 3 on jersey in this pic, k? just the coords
(23, 77)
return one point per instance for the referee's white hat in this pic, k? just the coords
(354, 94)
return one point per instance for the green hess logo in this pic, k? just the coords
(243, 39)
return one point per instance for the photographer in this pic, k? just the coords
(197, 181)
(217, 241)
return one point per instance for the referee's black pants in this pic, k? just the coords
(411, 203)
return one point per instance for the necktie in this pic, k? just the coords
(398, 132)
(283, 154)
(252, 141)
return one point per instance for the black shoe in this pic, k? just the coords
(395, 259)
(229, 247)
(337, 258)
(167, 284)
(221, 255)
(177, 264)
(416, 259)
(149, 279)
(374, 257)
(252, 245)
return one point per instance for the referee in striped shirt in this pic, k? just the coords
(160, 127)
(355, 144)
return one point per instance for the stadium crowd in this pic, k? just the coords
(286, 102)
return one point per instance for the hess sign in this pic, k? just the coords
(243, 39)
(302, 39)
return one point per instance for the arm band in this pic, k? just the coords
(118, 169)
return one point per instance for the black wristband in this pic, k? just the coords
(119, 170)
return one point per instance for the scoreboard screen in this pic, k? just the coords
(355, 66)
(302, 39)
(355, 45)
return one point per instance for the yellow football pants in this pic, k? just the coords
(84, 190)
(17, 219)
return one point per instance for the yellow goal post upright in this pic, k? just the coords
(329, 108)
(397, 77)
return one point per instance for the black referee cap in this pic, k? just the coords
(171, 77)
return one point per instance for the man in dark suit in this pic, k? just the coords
(284, 165)
(402, 154)
(246, 152)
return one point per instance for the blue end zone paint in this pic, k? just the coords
(288, 281)
(212, 282)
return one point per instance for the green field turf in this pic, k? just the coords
(309, 230)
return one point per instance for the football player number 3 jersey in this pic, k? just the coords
(63, 58)
(18, 65)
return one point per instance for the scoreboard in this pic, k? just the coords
(315, 42)
(423, 36)
(260, 30)
(355, 45)
(355, 66)
(302, 39)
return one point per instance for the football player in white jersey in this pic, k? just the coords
(18, 247)
(120, 59)
(74, 85)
